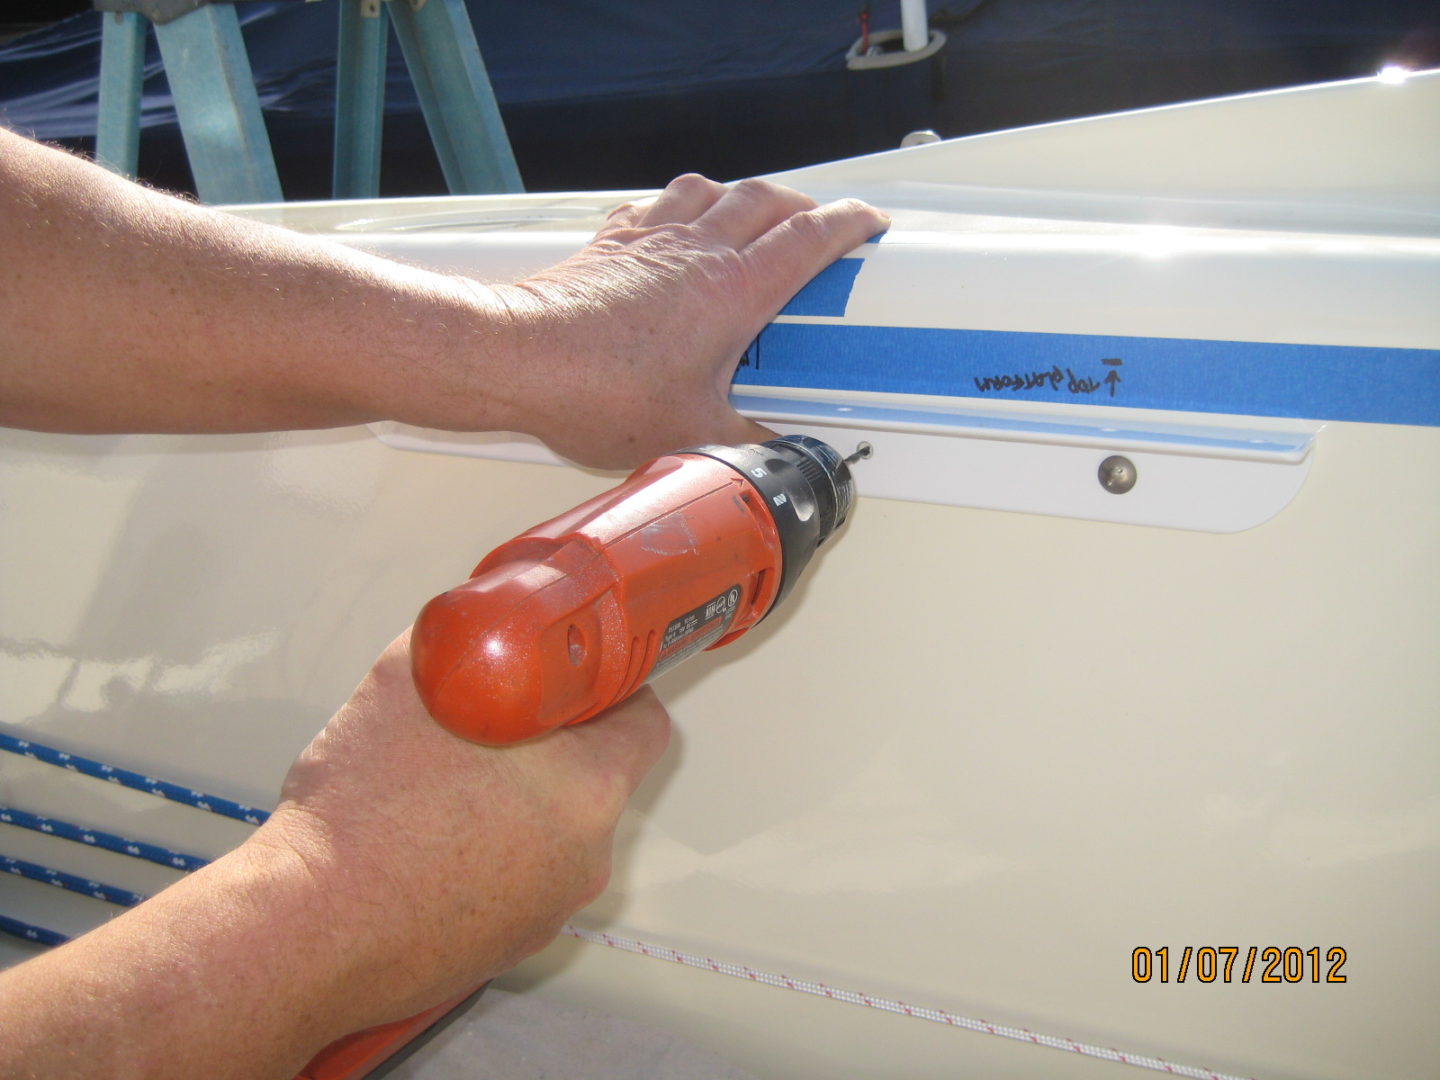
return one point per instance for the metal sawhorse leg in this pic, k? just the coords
(219, 109)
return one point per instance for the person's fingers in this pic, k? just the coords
(626, 740)
(798, 248)
(684, 199)
(751, 209)
(627, 215)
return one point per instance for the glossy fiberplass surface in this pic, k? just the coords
(978, 758)
(1116, 237)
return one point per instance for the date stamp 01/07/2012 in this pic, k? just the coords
(1234, 963)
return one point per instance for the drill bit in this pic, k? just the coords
(864, 450)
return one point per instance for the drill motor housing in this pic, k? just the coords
(574, 615)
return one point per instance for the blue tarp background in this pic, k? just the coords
(627, 94)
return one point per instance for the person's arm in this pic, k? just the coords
(403, 867)
(123, 309)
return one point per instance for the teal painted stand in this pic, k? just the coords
(122, 69)
(215, 101)
(454, 90)
(219, 109)
(359, 98)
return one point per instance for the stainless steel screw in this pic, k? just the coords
(1117, 474)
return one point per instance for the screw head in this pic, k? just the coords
(1117, 474)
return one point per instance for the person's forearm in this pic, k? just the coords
(123, 309)
(403, 867)
(233, 972)
(127, 310)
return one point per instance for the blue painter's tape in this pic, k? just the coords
(1313, 382)
(828, 292)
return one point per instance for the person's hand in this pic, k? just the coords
(402, 868)
(629, 347)
(201, 321)
(445, 862)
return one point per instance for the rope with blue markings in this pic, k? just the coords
(121, 845)
(99, 838)
(163, 789)
(71, 882)
(29, 932)
(213, 804)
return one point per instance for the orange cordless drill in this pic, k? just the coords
(571, 617)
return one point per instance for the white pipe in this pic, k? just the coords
(914, 24)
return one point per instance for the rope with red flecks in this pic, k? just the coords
(919, 1012)
(216, 804)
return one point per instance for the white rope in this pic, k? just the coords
(939, 1016)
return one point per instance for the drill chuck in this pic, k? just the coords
(807, 486)
(574, 615)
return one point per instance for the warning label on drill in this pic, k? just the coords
(698, 629)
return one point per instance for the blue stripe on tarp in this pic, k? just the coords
(164, 789)
(1313, 382)
(30, 932)
(828, 292)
